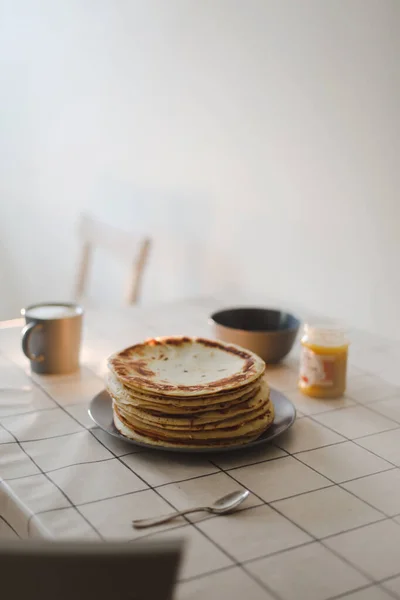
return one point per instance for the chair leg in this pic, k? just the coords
(136, 276)
(83, 270)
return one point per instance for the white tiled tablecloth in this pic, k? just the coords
(323, 520)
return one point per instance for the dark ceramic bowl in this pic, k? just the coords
(269, 333)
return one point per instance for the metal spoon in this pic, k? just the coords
(224, 505)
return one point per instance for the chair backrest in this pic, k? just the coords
(126, 246)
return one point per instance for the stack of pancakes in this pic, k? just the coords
(189, 392)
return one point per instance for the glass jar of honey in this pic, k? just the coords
(323, 362)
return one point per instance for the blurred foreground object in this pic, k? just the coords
(94, 571)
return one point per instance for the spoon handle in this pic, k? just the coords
(141, 523)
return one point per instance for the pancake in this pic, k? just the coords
(241, 427)
(183, 421)
(185, 367)
(228, 427)
(181, 392)
(211, 412)
(192, 401)
(124, 395)
(192, 426)
(210, 443)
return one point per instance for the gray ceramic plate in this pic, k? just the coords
(285, 414)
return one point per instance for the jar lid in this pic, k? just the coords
(326, 335)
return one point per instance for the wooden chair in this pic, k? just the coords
(122, 244)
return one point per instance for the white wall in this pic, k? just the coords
(258, 139)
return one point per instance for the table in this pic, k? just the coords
(323, 520)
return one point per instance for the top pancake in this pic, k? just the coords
(185, 366)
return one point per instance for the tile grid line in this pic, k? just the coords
(376, 412)
(389, 396)
(338, 555)
(220, 548)
(34, 515)
(190, 523)
(61, 435)
(335, 409)
(88, 462)
(294, 371)
(155, 490)
(29, 412)
(334, 483)
(239, 564)
(146, 449)
(369, 408)
(187, 479)
(335, 597)
(44, 473)
(267, 460)
(358, 589)
(358, 437)
(397, 425)
(226, 553)
(138, 449)
(289, 368)
(129, 541)
(340, 485)
(151, 487)
(10, 526)
(49, 408)
(271, 554)
(58, 405)
(35, 463)
(245, 509)
(314, 538)
(345, 439)
(132, 470)
(389, 591)
(344, 595)
(35, 377)
(51, 437)
(321, 540)
(161, 485)
(55, 484)
(394, 467)
(354, 440)
(205, 574)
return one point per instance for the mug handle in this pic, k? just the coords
(26, 336)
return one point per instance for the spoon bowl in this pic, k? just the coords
(229, 502)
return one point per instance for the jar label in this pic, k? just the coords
(316, 369)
